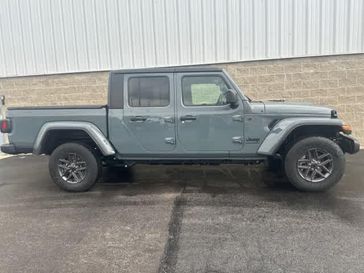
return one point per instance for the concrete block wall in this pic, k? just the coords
(336, 81)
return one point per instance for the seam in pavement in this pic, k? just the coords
(169, 259)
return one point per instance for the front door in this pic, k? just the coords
(149, 111)
(206, 123)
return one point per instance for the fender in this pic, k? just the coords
(93, 131)
(283, 128)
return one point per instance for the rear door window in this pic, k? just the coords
(148, 91)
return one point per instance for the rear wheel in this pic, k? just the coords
(314, 164)
(74, 167)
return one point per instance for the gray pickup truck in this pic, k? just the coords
(182, 116)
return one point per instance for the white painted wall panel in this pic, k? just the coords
(60, 36)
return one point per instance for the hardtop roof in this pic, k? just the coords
(168, 70)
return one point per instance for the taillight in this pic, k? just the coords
(5, 126)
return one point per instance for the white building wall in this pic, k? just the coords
(58, 36)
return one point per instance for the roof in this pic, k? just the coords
(169, 69)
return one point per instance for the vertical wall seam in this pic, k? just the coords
(131, 36)
(253, 29)
(362, 27)
(203, 31)
(108, 33)
(178, 31)
(280, 28)
(63, 35)
(52, 35)
(293, 28)
(349, 28)
(22, 35)
(12, 38)
(2, 46)
(166, 29)
(86, 35)
(321, 18)
(94, 12)
(121, 59)
(215, 32)
(227, 7)
(306, 27)
(334, 26)
(240, 32)
(266, 27)
(142, 32)
(190, 29)
(154, 35)
(74, 34)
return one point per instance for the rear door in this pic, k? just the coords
(149, 111)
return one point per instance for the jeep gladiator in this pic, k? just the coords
(182, 116)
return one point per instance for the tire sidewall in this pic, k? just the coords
(299, 149)
(86, 154)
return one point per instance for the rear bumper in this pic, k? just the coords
(349, 144)
(12, 149)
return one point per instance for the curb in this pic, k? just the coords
(2, 155)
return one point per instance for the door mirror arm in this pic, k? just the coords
(232, 98)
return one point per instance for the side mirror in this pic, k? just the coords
(232, 98)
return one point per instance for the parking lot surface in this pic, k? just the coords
(179, 219)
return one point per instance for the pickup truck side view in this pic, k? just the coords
(182, 116)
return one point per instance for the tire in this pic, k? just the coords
(319, 174)
(78, 159)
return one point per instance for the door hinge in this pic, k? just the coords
(238, 118)
(238, 139)
(170, 140)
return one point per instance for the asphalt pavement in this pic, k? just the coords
(179, 219)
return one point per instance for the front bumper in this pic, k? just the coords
(349, 144)
(12, 149)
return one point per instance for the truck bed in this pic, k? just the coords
(27, 121)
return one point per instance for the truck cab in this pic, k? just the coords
(180, 114)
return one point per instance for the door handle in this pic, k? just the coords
(138, 118)
(188, 117)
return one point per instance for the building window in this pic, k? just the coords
(148, 91)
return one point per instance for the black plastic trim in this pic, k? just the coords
(12, 149)
(116, 91)
(334, 114)
(349, 144)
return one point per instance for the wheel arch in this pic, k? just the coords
(53, 134)
(290, 130)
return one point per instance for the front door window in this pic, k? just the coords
(203, 91)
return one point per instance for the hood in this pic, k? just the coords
(294, 108)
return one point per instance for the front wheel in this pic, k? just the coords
(314, 164)
(74, 167)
